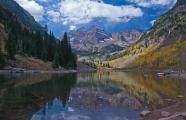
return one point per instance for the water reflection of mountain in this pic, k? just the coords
(55, 111)
(22, 101)
(100, 96)
(150, 89)
(94, 91)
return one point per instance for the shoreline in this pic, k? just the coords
(173, 110)
(158, 72)
(174, 74)
(37, 71)
(27, 71)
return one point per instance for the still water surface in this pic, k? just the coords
(84, 96)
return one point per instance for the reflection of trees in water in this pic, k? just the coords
(23, 97)
(59, 86)
(149, 89)
(98, 90)
(94, 76)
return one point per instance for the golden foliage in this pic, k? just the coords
(165, 57)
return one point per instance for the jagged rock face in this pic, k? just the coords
(94, 37)
(169, 28)
(97, 34)
(21, 14)
(126, 38)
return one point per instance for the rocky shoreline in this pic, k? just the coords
(173, 109)
(176, 111)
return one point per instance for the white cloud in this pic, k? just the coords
(83, 11)
(151, 3)
(72, 27)
(33, 8)
(53, 15)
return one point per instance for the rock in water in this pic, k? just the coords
(180, 116)
(165, 114)
(180, 96)
(145, 113)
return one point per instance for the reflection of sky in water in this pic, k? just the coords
(110, 95)
(58, 112)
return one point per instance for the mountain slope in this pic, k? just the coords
(162, 46)
(20, 39)
(168, 28)
(21, 14)
(172, 55)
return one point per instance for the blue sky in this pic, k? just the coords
(111, 15)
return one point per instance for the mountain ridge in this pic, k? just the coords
(167, 28)
(25, 17)
(162, 46)
(98, 37)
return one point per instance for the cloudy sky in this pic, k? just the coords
(111, 15)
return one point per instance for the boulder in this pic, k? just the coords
(180, 96)
(180, 116)
(165, 114)
(145, 113)
(183, 114)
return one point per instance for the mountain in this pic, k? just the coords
(86, 39)
(162, 46)
(96, 38)
(127, 38)
(96, 42)
(23, 47)
(169, 27)
(21, 14)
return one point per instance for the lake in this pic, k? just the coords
(112, 95)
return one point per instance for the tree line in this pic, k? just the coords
(40, 44)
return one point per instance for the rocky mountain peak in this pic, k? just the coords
(95, 37)
(90, 35)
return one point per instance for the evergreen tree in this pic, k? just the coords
(51, 47)
(2, 59)
(67, 58)
(66, 49)
(74, 61)
(56, 62)
(39, 44)
(11, 45)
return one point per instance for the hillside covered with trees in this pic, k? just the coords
(161, 47)
(41, 44)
